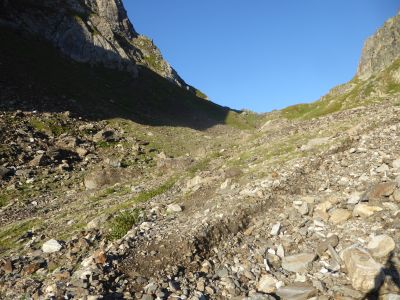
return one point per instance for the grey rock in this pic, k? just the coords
(296, 292)
(381, 49)
(299, 263)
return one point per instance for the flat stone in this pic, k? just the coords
(174, 208)
(299, 263)
(296, 292)
(381, 245)
(275, 229)
(365, 210)
(267, 284)
(51, 246)
(364, 272)
(382, 190)
(339, 216)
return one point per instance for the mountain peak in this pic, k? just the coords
(381, 49)
(91, 31)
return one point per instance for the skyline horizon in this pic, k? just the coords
(319, 63)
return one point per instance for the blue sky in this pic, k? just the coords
(261, 54)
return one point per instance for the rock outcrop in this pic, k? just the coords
(381, 49)
(90, 31)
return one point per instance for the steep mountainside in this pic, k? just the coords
(91, 31)
(381, 49)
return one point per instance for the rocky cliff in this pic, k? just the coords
(89, 31)
(381, 49)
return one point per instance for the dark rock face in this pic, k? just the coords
(90, 31)
(381, 49)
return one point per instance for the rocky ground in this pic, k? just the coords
(291, 210)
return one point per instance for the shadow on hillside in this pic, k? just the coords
(34, 76)
(391, 273)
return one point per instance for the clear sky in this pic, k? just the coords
(261, 54)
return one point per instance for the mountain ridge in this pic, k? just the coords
(93, 31)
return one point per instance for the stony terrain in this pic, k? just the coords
(302, 203)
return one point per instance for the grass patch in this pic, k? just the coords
(48, 126)
(105, 145)
(9, 235)
(4, 200)
(122, 223)
(243, 121)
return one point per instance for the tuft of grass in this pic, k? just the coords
(122, 223)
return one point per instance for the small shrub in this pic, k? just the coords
(122, 223)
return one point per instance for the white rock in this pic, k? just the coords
(174, 208)
(51, 246)
(355, 198)
(280, 251)
(381, 245)
(275, 229)
(267, 284)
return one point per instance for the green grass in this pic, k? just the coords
(10, 234)
(104, 144)
(48, 126)
(122, 223)
(243, 121)
(200, 94)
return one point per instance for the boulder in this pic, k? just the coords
(364, 272)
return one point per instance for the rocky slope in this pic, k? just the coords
(255, 207)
